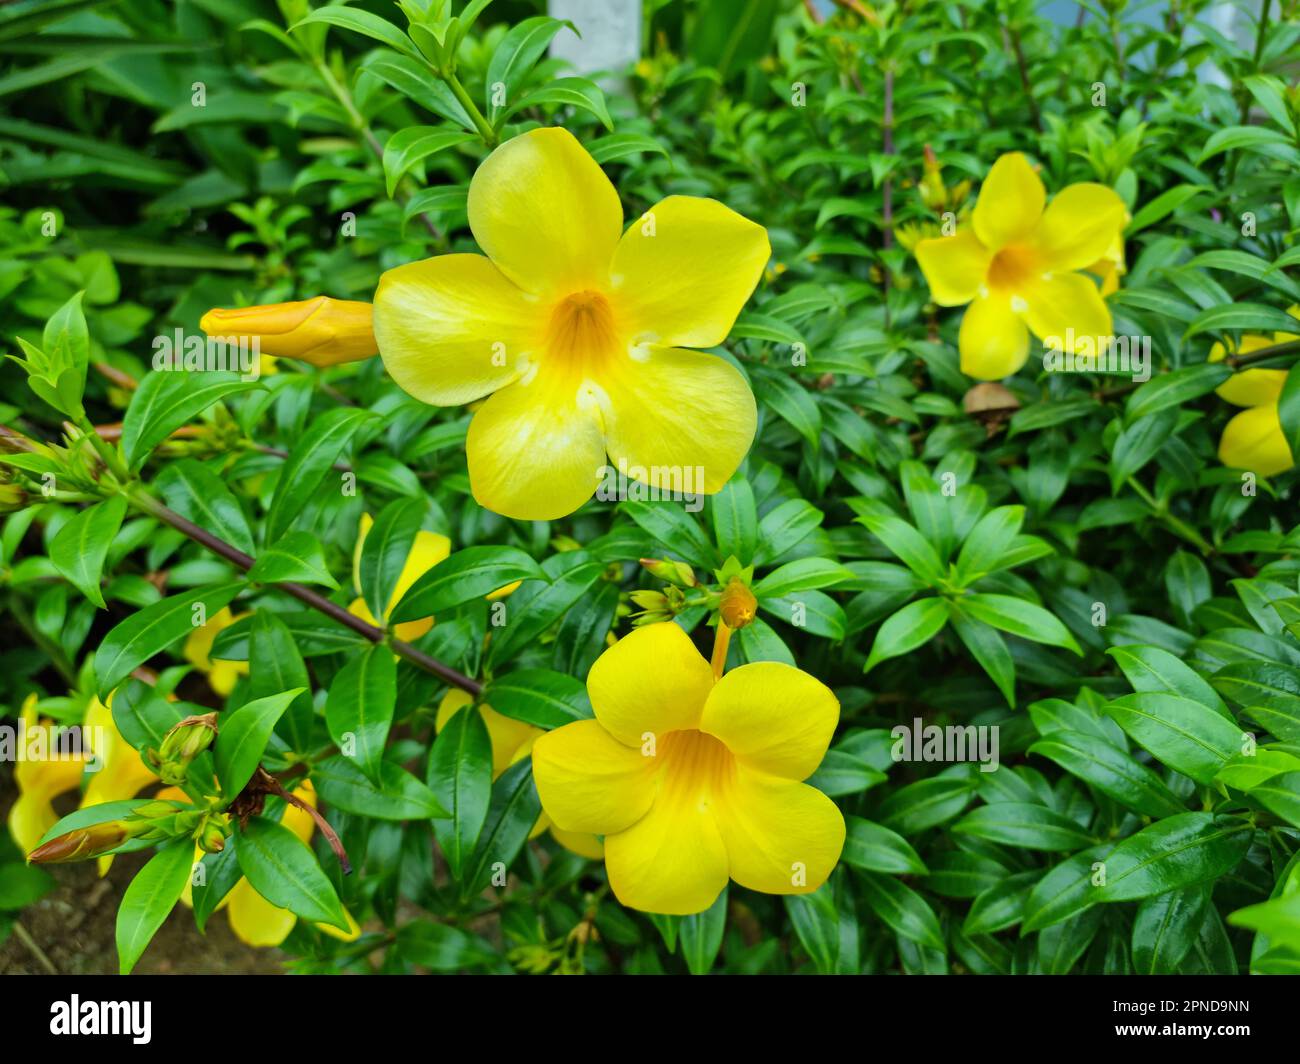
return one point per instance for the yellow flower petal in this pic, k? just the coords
(454, 328)
(350, 935)
(1080, 225)
(782, 837)
(678, 420)
(1067, 308)
(683, 271)
(581, 843)
(30, 817)
(673, 860)
(544, 212)
(1010, 203)
(321, 331)
(993, 341)
(536, 448)
(588, 781)
(1250, 387)
(254, 920)
(1253, 441)
(222, 675)
(954, 266)
(773, 717)
(653, 681)
(508, 735)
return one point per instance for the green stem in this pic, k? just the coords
(485, 130)
(106, 451)
(1175, 524)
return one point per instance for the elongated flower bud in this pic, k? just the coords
(321, 331)
(81, 844)
(182, 744)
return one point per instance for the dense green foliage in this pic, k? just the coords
(1067, 561)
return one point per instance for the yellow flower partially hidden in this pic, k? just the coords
(512, 740)
(1254, 440)
(123, 773)
(1017, 266)
(253, 919)
(428, 550)
(320, 331)
(578, 331)
(222, 675)
(693, 781)
(41, 777)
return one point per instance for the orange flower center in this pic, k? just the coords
(1014, 267)
(582, 328)
(696, 768)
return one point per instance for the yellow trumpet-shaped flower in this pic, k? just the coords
(512, 740)
(1254, 440)
(253, 919)
(693, 781)
(578, 332)
(321, 331)
(1017, 266)
(41, 776)
(222, 675)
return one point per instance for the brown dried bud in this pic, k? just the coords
(81, 844)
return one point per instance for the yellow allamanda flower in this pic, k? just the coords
(693, 780)
(222, 675)
(578, 331)
(1254, 440)
(1017, 265)
(512, 740)
(321, 331)
(253, 919)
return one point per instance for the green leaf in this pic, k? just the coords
(414, 144)
(1151, 669)
(985, 548)
(1025, 825)
(989, 649)
(360, 705)
(735, 520)
(363, 22)
(385, 549)
(802, 574)
(513, 811)
(243, 736)
(1268, 692)
(1165, 928)
(468, 574)
(275, 665)
(876, 848)
(514, 57)
(701, 935)
(902, 909)
(1177, 852)
(308, 463)
(784, 527)
(567, 92)
(151, 895)
(1256, 317)
(1065, 890)
(540, 697)
(1111, 770)
(284, 871)
(165, 401)
(916, 623)
(191, 489)
(905, 542)
(398, 795)
(441, 948)
(297, 557)
(1187, 736)
(460, 777)
(1001, 905)
(1014, 615)
(619, 145)
(152, 630)
(1172, 389)
(79, 550)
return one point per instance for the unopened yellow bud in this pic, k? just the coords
(678, 573)
(738, 606)
(182, 744)
(81, 844)
(321, 331)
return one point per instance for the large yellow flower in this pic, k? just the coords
(512, 740)
(578, 331)
(1254, 440)
(693, 780)
(1016, 265)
